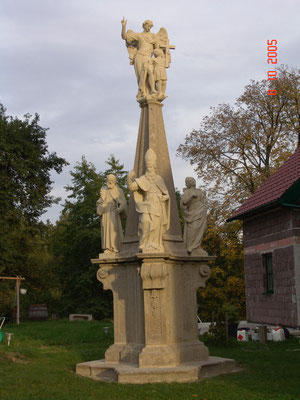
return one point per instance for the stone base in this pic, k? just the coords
(171, 355)
(127, 373)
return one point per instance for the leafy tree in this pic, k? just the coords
(25, 185)
(77, 239)
(226, 285)
(25, 167)
(117, 169)
(226, 288)
(234, 151)
(237, 148)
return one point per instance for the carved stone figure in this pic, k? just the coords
(160, 75)
(141, 47)
(152, 203)
(110, 206)
(193, 204)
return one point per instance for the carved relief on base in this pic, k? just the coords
(154, 275)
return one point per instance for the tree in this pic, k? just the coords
(237, 148)
(25, 167)
(25, 185)
(77, 238)
(117, 169)
(226, 284)
(234, 151)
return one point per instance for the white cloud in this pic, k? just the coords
(66, 60)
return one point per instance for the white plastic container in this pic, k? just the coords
(242, 335)
(278, 334)
(254, 334)
(269, 333)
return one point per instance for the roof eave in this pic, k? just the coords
(253, 211)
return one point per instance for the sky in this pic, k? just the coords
(66, 61)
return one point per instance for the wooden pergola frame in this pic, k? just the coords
(18, 280)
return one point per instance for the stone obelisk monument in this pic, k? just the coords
(153, 278)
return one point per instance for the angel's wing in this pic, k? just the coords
(163, 34)
(163, 41)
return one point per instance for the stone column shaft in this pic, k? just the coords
(152, 135)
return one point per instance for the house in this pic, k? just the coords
(271, 232)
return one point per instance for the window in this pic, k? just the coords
(269, 278)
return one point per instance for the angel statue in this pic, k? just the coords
(150, 72)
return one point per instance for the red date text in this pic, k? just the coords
(272, 59)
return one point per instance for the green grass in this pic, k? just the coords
(40, 364)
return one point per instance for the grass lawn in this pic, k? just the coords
(40, 363)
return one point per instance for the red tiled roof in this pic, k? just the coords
(274, 187)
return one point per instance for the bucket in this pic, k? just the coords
(254, 333)
(242, 335)
(269, 333)
(38, 312)
(278, 334)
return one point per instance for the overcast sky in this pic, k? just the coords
(65, 60)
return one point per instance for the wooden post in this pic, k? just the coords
(262, 334)
(226, 326)
(18, 282)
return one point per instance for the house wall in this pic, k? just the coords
(276, 231)
(297, 279)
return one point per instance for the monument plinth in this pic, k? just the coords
(153, 276)
(155, 321)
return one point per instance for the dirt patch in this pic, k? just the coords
(44, 347)
(13, 356)
(51, 349)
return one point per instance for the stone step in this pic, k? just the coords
(127, 373)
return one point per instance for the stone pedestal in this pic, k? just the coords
(155, 309)
(155, 321)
